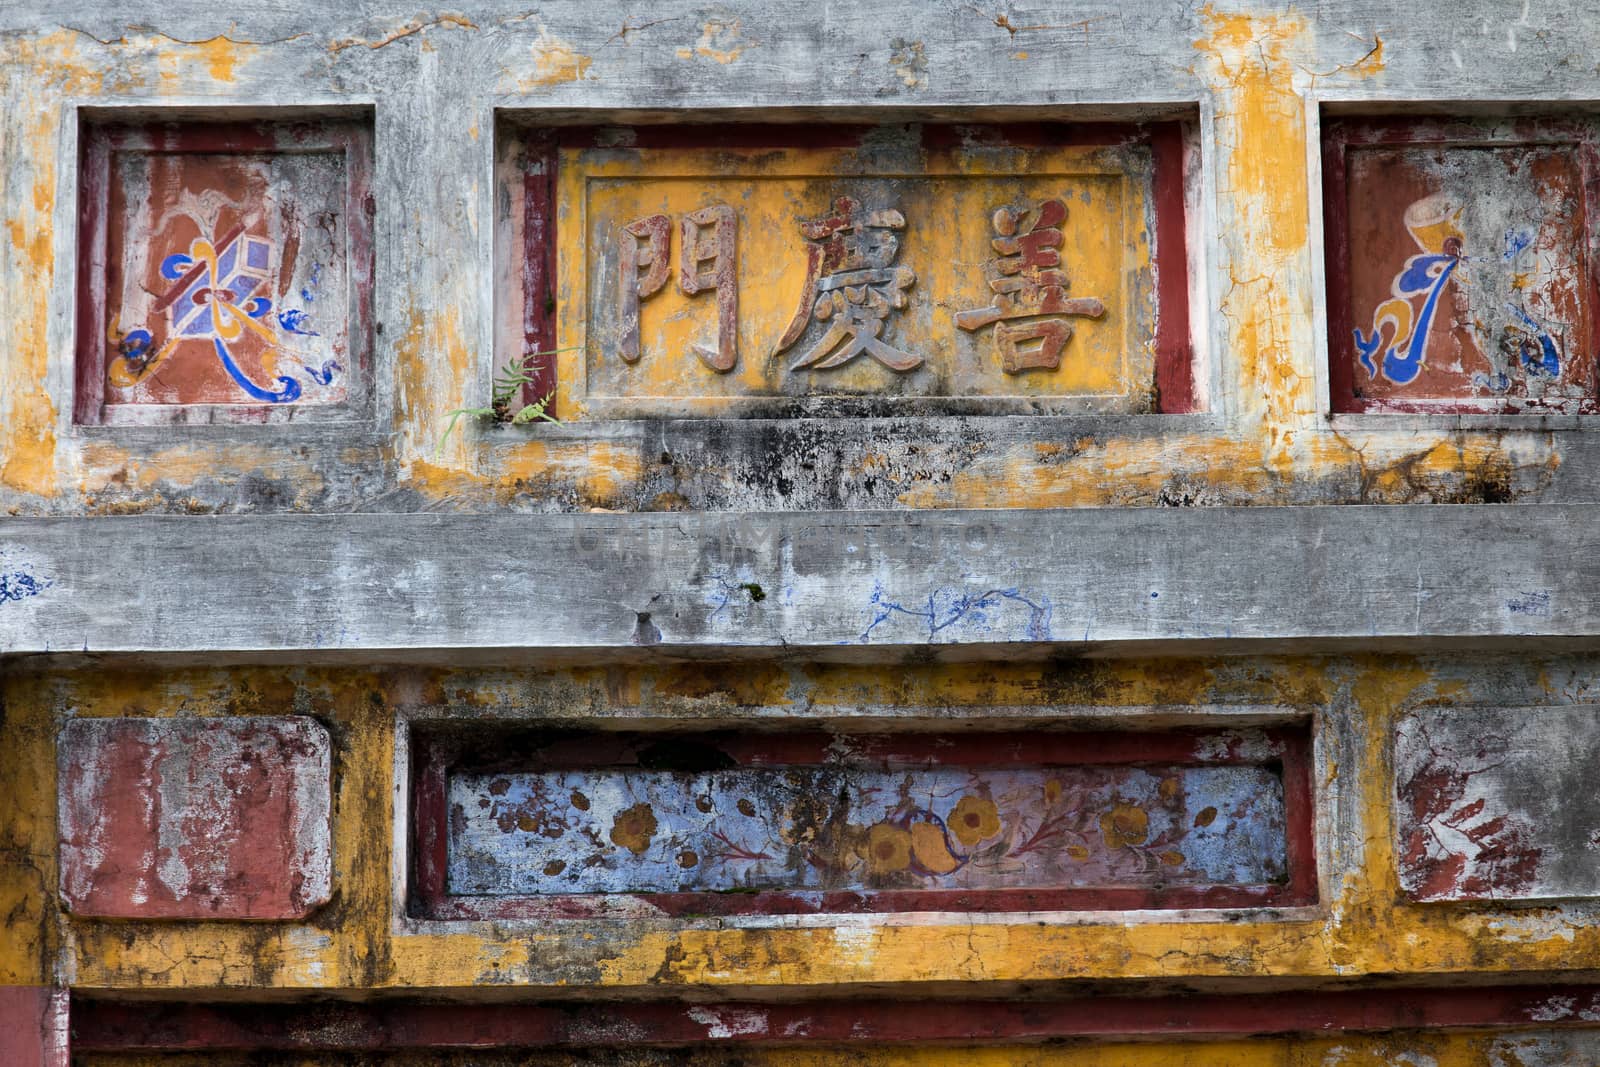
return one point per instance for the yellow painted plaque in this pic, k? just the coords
(877, 277)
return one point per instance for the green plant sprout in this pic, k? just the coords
(509, 382)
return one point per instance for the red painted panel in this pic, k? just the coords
(1493, 803)
(1174, 352)
(33, 1026)
(559, 825)
(225, 271)
(539, 273)
(1461, 271)
(195, 818)
(109, 1026)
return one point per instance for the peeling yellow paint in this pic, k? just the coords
(28, 426)
(322, 952)
(1261, 133)
(433, 366)
(1123, 472)
(602, 472)
(555, 61)
(222, 54)
(1253, 61)
(56, 62)
(720, 40)
(28, 937)
(109, 466)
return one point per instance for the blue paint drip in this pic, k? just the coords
(290, 391)
(309, 292)
(1517, 242)
(1368, 349)
(1547, 360)
(1531, 602)
(19, 585)
(295, 321)
(964, 607)
(323, 375)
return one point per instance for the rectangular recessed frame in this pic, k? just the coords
(871, 1029)
(848, 269)
(1466, 282)
(276, 217)
(564, 824)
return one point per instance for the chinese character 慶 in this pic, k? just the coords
(852, 286)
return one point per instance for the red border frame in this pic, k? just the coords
(1339, 134)
(110, 1026)
(436, 754)
(541, 160)
(97, 142)
(1174, 349)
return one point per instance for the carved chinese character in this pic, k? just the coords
(707, 236)
(652, 261)
(1028, 284)
(852, 285)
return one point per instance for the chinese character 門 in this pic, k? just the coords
(707, 259)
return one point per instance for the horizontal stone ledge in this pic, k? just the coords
(1122, 581)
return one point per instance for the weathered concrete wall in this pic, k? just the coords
(1437, 663)
(435, 84)
(868, 586)
(1361, 927)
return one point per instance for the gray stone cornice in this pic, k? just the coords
(851, 585)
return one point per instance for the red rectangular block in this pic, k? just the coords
(1497, 804)
(33, 1026)
(195, 818)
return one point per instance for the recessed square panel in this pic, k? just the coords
(833, 270)
(225, 272)
(1460, 262)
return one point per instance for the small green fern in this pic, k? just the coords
(509, 382)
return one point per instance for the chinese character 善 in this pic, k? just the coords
(1028, 284)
